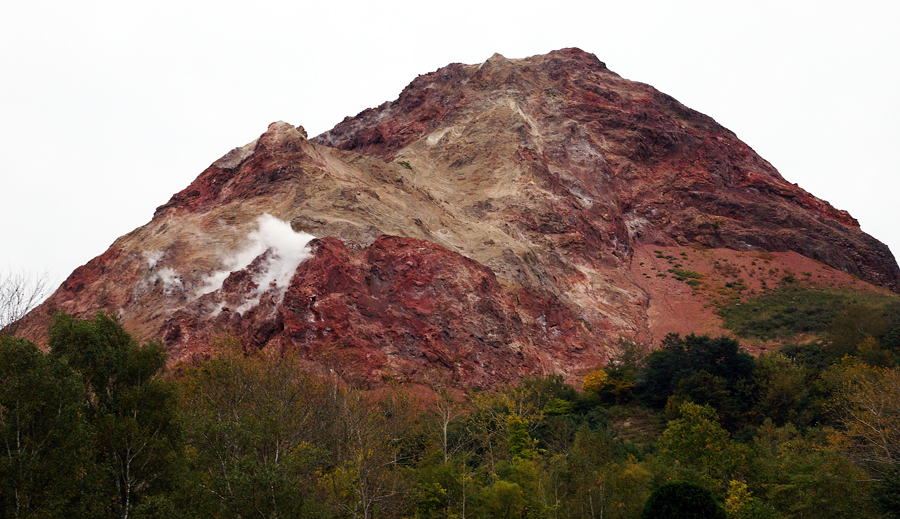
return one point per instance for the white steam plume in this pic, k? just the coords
(167, 276)
(170, 280)
(288, 250)
(153, 258)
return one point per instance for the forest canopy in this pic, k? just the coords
(100, 427)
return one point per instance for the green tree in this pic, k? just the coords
(440, 488)
(610, 384)
(805, 475)
(600, 485)
(696, 440)
(870, 351)
(680, 358)
(131, 409)
(503, 500)
(251, 434)
(513, 412)
(682, 500)
(867, 404)
(891, 341)
(705, 389)
(43, 433)
(848, 330)
(782, 390)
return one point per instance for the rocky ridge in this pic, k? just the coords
(494, 221)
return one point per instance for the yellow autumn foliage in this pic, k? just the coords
(594, 381)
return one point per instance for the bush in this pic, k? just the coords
(681, 358)
(682, 501)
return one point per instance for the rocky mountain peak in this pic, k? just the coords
(496, 220)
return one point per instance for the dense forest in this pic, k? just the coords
(100, 427)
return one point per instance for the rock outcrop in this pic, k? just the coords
(492, 222)
(617, 160)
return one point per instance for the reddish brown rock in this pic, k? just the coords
(403, 306)
(399, 309)
(495, 221)
(652, 169)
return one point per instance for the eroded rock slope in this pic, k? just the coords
(490, 223)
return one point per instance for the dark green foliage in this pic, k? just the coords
(250, 425)
(803, 475)
(108, 358)
(437, 488)
(891, 340)
(681, 358)
(43, 435)
(622, 370)
(797, 393)
(887, 494)
(814, 356)
(551, 387)
(699, 445)
(503, 500)
(264, 438)
(131, 410)
(847, 331)
(682, 501)
(783, 390)
(706, 389)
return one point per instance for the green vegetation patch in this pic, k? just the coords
(794, 308)
(687, 274)
(676, 431)
(693, 278)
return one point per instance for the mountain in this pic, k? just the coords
(497, 220)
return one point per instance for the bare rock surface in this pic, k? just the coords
(495, 221)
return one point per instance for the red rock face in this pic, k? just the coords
(495, 221)
(400, 309)
(653, 169)
(402, 305)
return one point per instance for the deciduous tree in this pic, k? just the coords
(867, 404)
(131, 409)
(251, 434)
(19, 293)
(44, 437)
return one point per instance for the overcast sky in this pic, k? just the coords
(107, 108)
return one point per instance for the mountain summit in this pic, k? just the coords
(496, 220)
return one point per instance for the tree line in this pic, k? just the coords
(99, 427)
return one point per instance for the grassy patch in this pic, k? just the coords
(794, 308)
(681, 275)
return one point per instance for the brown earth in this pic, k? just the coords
(495, 221)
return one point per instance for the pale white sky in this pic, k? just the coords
(107, 108)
